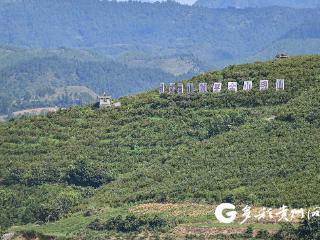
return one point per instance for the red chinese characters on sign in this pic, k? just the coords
(233, 86)
(203, 87)
(180, 88)
(172, 87)
(247, 85)
(264, 85)
(162, 88)
(216, 87)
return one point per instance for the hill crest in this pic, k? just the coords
(246, 148)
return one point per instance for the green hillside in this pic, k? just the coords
(82, 164)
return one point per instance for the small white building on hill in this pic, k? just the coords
(105, 101)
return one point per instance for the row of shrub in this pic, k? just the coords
(309, 229)
(80, 174)
(41, 204)
(131, 223)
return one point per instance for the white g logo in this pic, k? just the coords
(231, 216)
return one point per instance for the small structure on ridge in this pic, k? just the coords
(282, 55)
(105, 101)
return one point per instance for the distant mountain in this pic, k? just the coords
(257, 3)
(64, 77)
(176, 65)
(68, 51)
(216, 37)
(303, 39)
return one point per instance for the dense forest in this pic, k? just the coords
(64, 53)
(84, 168)
(62, 77)
(216, 37)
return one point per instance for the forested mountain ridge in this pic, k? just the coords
(126, 47)
(257, 3)
(253, 147)
(62, 77)
(216, 37)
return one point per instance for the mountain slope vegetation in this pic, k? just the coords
(59, 47)
(63, 77)
(217, 37)
(253, 147)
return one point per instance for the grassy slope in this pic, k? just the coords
(209, 148)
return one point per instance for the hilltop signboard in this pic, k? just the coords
(264, 85)
(217, 87)
(180, 88)
(280, 84)
(247, 85)
(233, 86)
(190, 88)
(203, 87)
